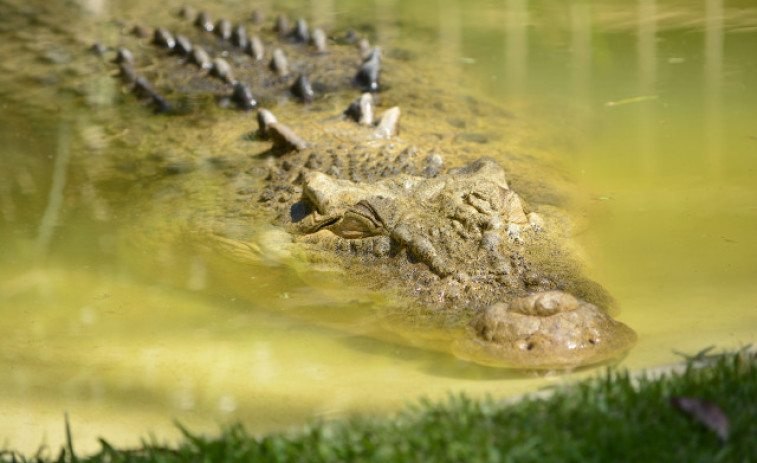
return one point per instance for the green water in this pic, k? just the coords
(650, 108)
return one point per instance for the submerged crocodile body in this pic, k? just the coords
(428, 215)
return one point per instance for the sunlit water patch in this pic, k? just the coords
(648, 107)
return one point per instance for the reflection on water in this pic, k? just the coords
(713, 74)
(516, 43)
(652, 110)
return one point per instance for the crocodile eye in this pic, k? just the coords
(354, 227)
(360, 221)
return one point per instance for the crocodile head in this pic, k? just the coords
(431, 218)
(470, 254)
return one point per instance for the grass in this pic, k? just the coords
(615, 417)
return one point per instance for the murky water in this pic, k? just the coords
(650, 107)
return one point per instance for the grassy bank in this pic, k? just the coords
(703, 412)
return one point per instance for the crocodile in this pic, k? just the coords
(359, 182)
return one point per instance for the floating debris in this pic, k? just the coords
(636, 99)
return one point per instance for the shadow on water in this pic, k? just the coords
(431, 363)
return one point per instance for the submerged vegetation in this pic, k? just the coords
(702, 412)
